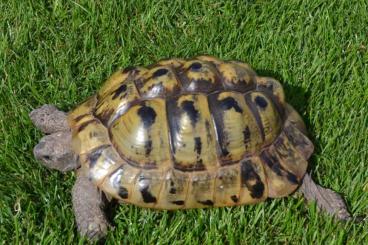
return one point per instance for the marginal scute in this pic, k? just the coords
(254, 186)
(273, 86)
(251, 179)
(209, 58)
(299, 140)
(201, 189)
(284, 166)
(88, 133)
(83, 111)
(147, 188)
(295, 119)
(289, 157)
(174, 190)
(112, 185)
(227, 188)
(174, 63)
(121, 182)
(101, 161)
(112, 82)
(279, 180)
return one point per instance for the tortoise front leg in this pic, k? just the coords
(326, 199)
(55, 152)
(88, 206)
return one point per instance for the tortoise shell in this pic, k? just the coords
(190, 133)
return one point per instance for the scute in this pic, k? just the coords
(237, 77)
(141, 135)
(200, 76)
(116, 102)
(238, 131)
(191, 133)
(159, 81)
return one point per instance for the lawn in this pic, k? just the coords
(60, 52)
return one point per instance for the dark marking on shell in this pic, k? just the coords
(80, 117)
(148, 115)
(217, 112)
(206, 202)
(178, 202)
(85, 124)
(123, 192)
(224, 151)
(282, 150)
(172, 190)
(234, 198)
(146, 195)
(196, 66)
(261, 102)
(95, 155)
(292, 178)
(121, 89)
(268, 85)
(105, 116)
(300, 140)
(188, 107)
(198, 166)
(246, 135)
(229, 103)
(197, 145)
(256, 115)
(148, 147)
(249, 176)
(160, 72)
(273, 163)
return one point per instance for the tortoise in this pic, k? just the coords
(181, 134)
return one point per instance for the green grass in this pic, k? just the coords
(60, 52)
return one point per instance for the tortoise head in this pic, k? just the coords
(55, 152)
(54, 149)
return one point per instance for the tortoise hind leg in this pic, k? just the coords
(88, 207)
(326, 199)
